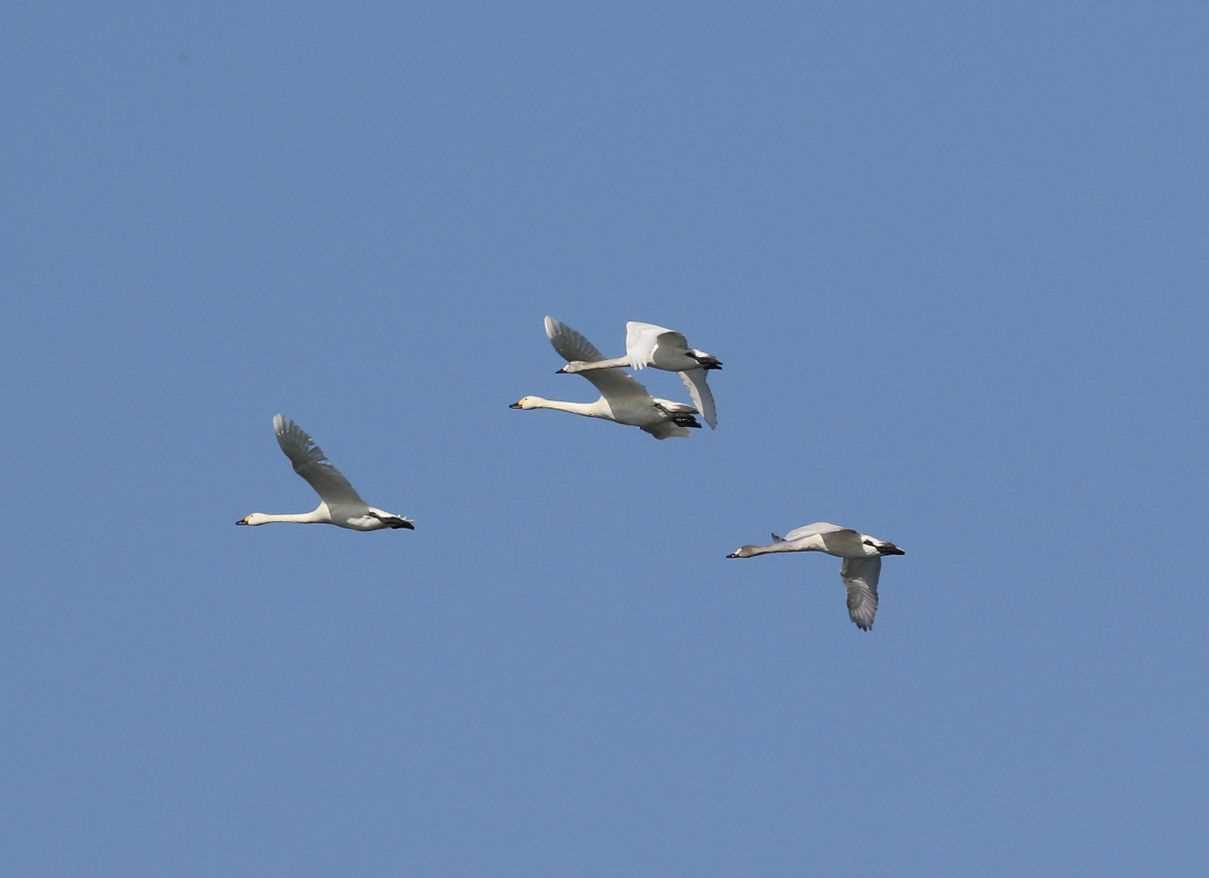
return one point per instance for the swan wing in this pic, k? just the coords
(571, 345)
(312, 464)
(860, 577)
(642, 339)
(702, 396)
(816, 527)
(614, 384)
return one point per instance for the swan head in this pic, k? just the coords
(527, 402)
(571, 368)
(253, 519)
(743, 552)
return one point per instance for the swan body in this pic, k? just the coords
(623, 400)
(661, 348)
(339, 504)
(860, 570)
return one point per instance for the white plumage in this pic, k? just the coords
(340, 504)
(623, 400)
(661, 348)
(861, 567)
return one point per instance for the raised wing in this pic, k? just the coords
(312, 464)
(703, 397)
(860, 577)
(570, 344)
(613, 384)
(641, 340)
(817, 527)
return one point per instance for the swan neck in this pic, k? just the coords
(773, 548)
(612, 363)
(315, 516)
(590, 409)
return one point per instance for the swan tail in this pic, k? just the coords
(394, 522)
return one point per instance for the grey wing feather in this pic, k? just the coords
(570, 344)
(817, 527)
(702, 396)
(312, 464)
(860, 577)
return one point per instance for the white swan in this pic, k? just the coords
(340, 504)
(862, 556)
(623, 400)
(649, 345)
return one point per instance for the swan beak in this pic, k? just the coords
(409, 525)
(562, 371)
(733, 555)
(241, 521)
(514, 405)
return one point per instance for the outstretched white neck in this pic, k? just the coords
(318, 515)
(583, 366)
(590, 409)
(782, 546)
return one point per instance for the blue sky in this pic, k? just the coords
(954, 259)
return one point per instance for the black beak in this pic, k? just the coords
(562, 371)
(732, 555)
(241, 521)
(514, 405)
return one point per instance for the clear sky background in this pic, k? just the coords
(954, 258)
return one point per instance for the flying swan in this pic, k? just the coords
(649, 345)
(862, 556)
(340, 504)
(623, 400)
